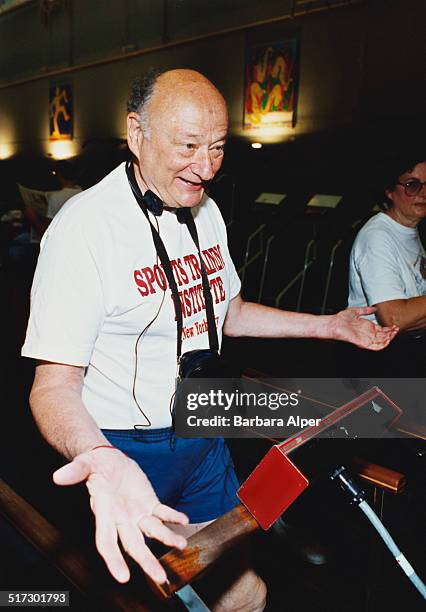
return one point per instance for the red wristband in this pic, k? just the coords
(103, 446)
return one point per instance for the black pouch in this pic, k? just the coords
(205, 363)
(201, 366)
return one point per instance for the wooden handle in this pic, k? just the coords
(203, 548)
(82, 568)
(378, 475)
(410, 428)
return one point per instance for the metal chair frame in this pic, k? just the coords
(310, 247)
(334, 249)
(247, 261)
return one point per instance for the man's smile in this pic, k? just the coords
(192, 184)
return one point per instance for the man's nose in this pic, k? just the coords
(204, 165)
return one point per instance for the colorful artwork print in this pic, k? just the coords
(8, 5)
(60, 112)
(270, 84)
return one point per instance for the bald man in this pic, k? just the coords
(103, 329)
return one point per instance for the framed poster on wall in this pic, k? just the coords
(9, 5)
(60, 112)
(270, 94)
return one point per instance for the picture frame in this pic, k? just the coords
(271, 87)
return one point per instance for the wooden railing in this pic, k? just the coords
(84, 570)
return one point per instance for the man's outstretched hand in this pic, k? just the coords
(348, 325)
(126, 509)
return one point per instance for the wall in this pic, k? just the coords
(358, 64)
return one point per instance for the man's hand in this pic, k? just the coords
(125, 507)
(348, 325)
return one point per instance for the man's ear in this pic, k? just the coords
(134, 133)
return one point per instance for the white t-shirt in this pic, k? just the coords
(56, 199)
(99, 284)
(385, 263)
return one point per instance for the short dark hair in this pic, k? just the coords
(397, 165)
(141, 92)
(400, 165)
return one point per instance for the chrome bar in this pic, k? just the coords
(307, 263)
(265, 262)
(247, 262)
(330, 270)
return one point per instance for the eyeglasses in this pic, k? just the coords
(412, 187)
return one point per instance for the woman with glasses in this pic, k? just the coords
(388, 264)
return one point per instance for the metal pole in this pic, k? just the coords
(265, 262)
(306, 265)
(330, 269)
(247, 262)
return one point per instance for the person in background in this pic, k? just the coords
(388, 266)
(64, 173)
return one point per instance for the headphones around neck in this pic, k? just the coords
(150, 201)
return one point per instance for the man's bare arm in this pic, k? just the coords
(249, 319)
(407, 314)
(59, 411)
(121, 497)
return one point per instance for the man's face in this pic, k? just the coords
(409, 210)
(183, 148)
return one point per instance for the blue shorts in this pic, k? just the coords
(194, 476)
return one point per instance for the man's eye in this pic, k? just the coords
(218, 150)
(190, 146)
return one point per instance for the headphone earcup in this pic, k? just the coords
(149, 200)
(153, 203)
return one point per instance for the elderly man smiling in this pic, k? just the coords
(103, 328)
